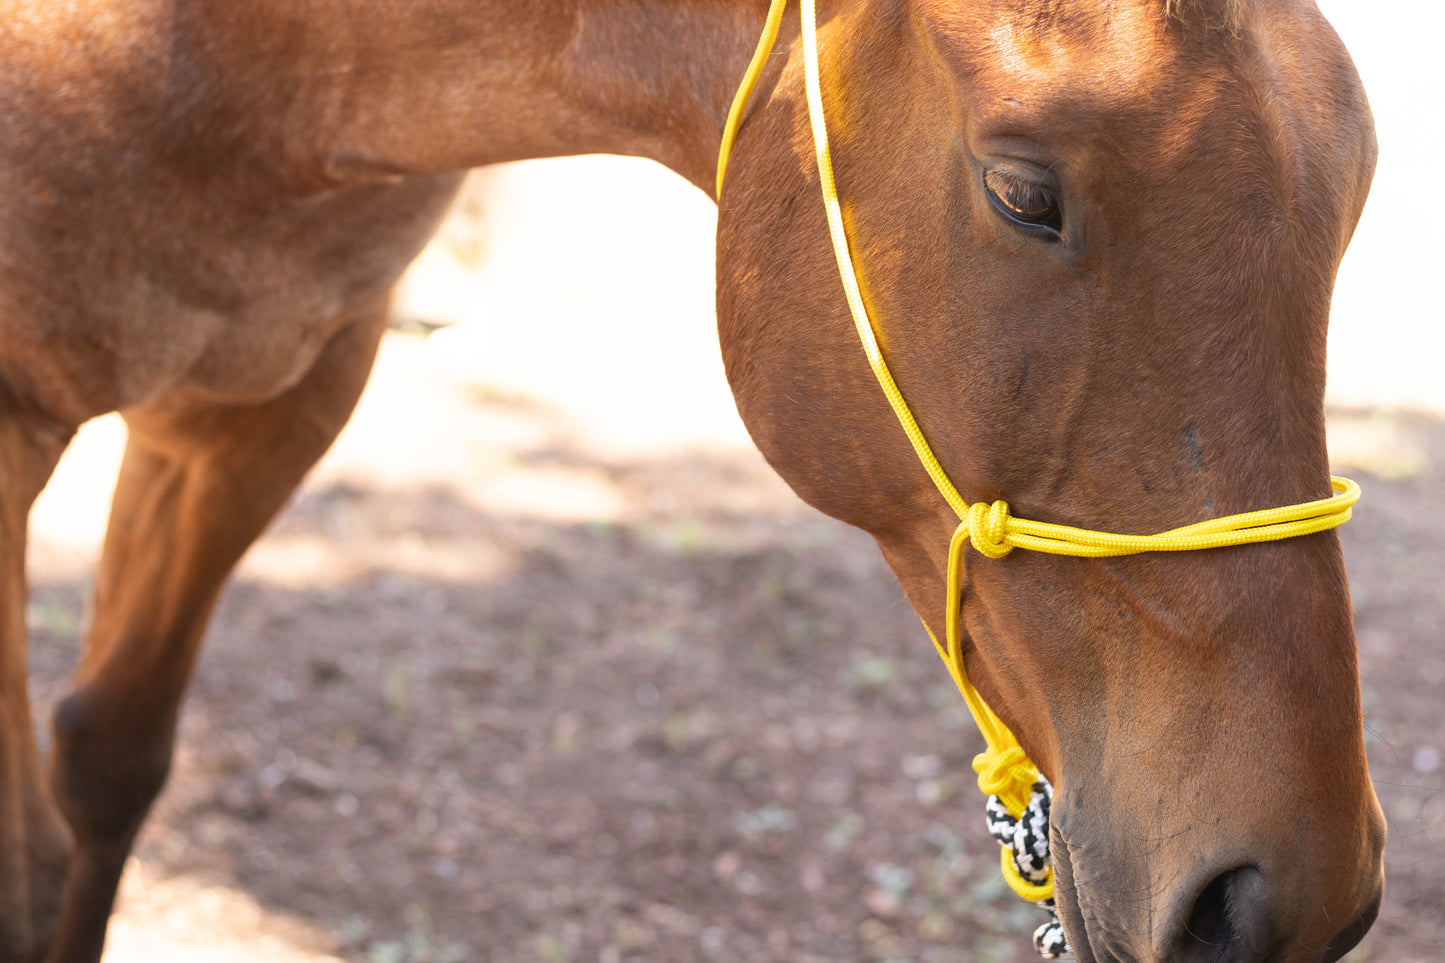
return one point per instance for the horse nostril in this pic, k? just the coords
(1208, 926)
(1229, 922)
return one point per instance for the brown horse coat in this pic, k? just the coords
(1099, 238)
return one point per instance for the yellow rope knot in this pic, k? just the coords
(1021, 825)
(1007, 774)
(988, 527)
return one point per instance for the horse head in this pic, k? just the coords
(1098, 241)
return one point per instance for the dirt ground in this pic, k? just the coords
(496, 688)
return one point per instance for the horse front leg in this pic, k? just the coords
(198, 484)
(33, 841)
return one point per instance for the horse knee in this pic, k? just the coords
(105, 770)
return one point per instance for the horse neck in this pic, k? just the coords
(372, 90)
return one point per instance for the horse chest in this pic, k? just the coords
(121, 301)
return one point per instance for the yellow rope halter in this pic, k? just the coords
(1004, 768)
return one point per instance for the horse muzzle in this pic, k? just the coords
(1291, 904)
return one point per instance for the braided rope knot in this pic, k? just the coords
(1049, 938)
(1025, 838)
(988, 527)
(1023, 832)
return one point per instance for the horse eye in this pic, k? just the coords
(1026, 204)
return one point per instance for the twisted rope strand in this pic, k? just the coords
(745, 89)
(994, 532)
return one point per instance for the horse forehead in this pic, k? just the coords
(1120, 86)
(1074, 63)
(1021, 38)
(1119, 52)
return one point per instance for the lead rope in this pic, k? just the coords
(1019, 797)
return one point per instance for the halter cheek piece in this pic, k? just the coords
(1018, 796)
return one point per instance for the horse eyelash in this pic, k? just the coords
(1029, 206)
(1023, 198)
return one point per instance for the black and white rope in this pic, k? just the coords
(1027, 841)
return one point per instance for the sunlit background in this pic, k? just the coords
(584, 286)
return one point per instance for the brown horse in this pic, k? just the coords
(1098, 236)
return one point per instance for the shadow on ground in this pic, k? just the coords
(431, 732)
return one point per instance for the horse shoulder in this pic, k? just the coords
(149, 237)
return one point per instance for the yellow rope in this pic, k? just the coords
(1004, 769)
(745, 89)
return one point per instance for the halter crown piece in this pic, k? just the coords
(1018, 795)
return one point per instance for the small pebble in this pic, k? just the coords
(1427, 760)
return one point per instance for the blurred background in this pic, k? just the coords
(544, 664)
